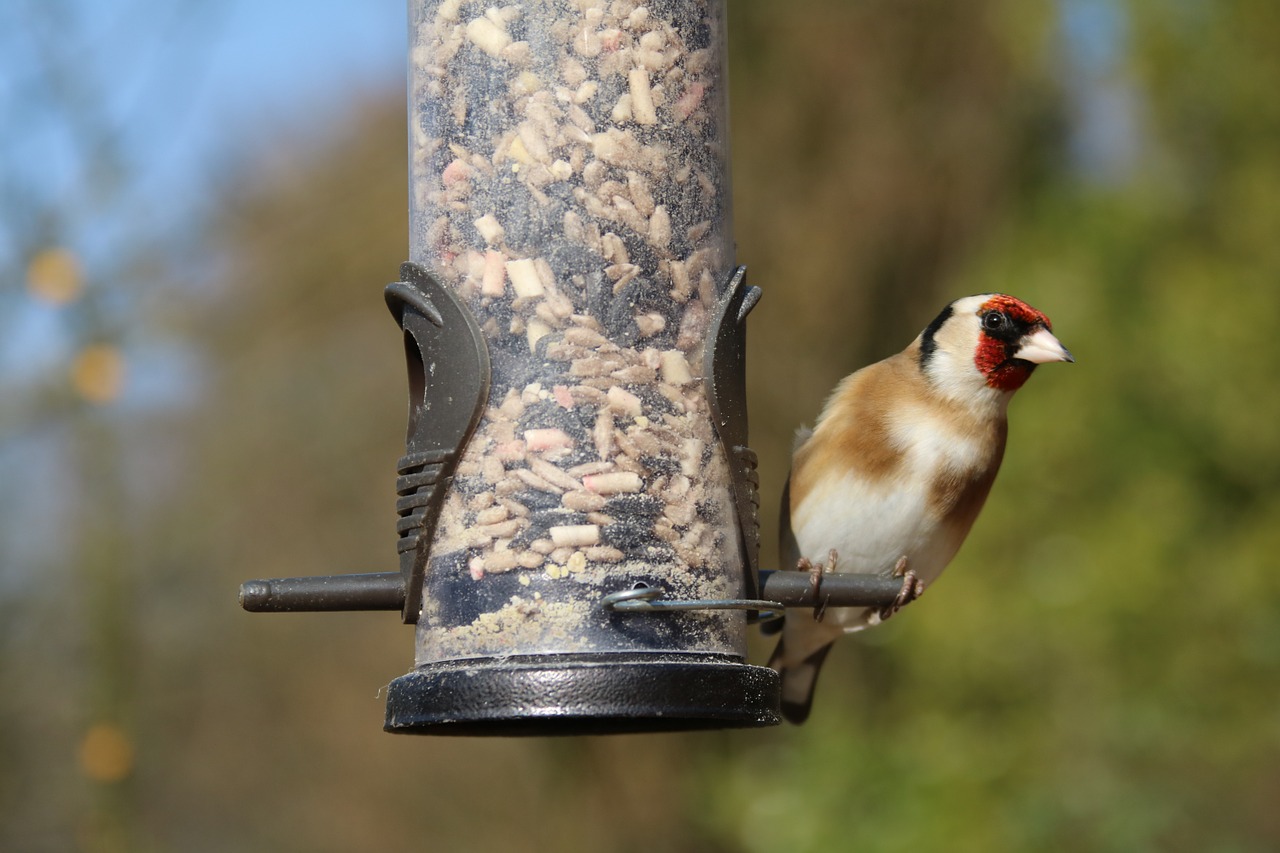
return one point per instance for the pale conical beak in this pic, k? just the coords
(1041, 347)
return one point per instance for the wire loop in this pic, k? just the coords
(648, 599)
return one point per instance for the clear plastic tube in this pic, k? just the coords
(569, 179)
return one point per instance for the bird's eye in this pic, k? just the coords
(993, 320)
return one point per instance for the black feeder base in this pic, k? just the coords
(582, 694)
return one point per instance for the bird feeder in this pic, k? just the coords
(577, 502)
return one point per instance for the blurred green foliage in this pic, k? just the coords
(1099, 670)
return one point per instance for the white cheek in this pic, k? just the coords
(958, 379)
(955, 375)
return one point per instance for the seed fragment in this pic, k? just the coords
(488, 36)
(490, 229)
(546, 439)
(604, 554)
(613, 483)
(533, 481)
(575, 536)
(583, 501)
(524, 278)
(641, 97)
(553, 475)
(623, 401)
(675, 368)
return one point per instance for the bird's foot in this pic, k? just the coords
(816, 571)
(912, 588)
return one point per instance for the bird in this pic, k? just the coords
(897, 467)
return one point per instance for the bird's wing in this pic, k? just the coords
(788, 548)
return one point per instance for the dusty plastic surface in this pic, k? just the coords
(569, 179)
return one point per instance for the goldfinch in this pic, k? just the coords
(893, 474)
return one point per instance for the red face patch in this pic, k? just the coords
(1015, 309)
(994, 355)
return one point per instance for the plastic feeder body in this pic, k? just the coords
(569, 185)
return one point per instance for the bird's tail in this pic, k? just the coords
(799, 680)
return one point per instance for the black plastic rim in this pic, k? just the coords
(582, 694)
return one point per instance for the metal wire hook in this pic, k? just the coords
(648, 599)
(785, 589)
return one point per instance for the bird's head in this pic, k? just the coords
(990, 341)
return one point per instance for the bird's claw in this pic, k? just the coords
(912, 588)
(816, 571)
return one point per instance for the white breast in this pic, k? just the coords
(872, 524)
(869, 525)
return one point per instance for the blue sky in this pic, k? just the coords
(293, 60)
(185, 90)
(184, 85)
